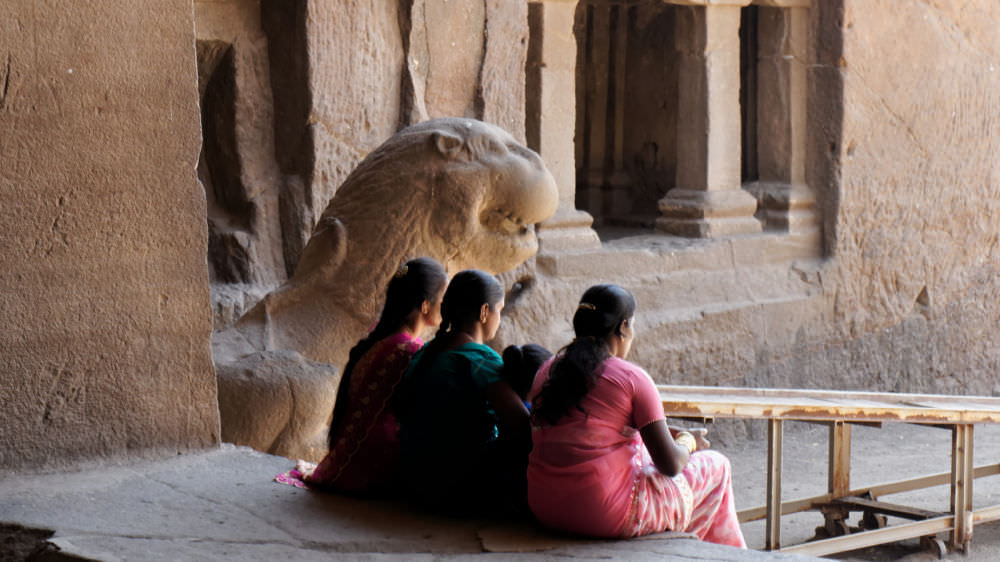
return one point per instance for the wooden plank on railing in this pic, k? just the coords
(793, 404)
(886, 508)
(871, 538)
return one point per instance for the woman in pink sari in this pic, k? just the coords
(364, 433)
(604, 462)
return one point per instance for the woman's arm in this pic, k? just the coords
(512, 416)
(669, 456)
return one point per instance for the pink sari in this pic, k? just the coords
(363, 458)
(590, 474)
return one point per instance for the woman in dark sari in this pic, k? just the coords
(364, 433)
(464, 432)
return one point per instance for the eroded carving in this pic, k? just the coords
(459, 190)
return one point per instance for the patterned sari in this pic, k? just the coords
(699, 500)
(365, 451)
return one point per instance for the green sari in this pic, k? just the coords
(452, 454)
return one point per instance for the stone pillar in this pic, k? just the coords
(708, 201)
(621, 197)
(596, 78)
(784, 200)
(551, 121)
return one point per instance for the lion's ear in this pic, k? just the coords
(447, 144)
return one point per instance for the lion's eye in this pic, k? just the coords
(496, 147)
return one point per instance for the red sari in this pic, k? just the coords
(363, 458)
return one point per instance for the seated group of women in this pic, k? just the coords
(454, 426)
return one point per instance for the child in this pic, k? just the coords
(520, 363)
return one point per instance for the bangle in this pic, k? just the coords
(687, 440)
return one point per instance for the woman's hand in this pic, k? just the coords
(699, 434)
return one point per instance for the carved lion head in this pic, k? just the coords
(459, 190)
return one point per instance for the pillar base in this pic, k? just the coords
(708, 214)
(784, 207)
(567, 230)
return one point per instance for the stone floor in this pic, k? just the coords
(222, 505)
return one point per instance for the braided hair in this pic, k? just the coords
(602, 310)
(415, 282)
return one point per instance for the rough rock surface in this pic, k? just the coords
(313, 88)
(222, 505)
(903, 295)
(103, 353)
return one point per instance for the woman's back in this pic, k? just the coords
(451, 455)
(581, 470)
(365, 445)
(444, 406)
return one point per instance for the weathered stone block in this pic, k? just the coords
(277, 402)
(103, 238)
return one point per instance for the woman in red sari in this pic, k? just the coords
(604, 461)
(364, 433)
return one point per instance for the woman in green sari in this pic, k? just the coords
(464, 432)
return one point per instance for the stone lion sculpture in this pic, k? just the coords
(459, 190)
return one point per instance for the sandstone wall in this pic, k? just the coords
(907, 297)
(238, 164)
(916, 254)
(313, 87)
(900, 292)
(375, 68)
(896, 293)
(104, 350)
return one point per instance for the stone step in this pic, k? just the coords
(716, 343)
(667, 273)
(698, 289)
(654, 254)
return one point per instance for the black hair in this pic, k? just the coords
(602, 310)
(520, 363)
(467, 292)
(416, 281)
